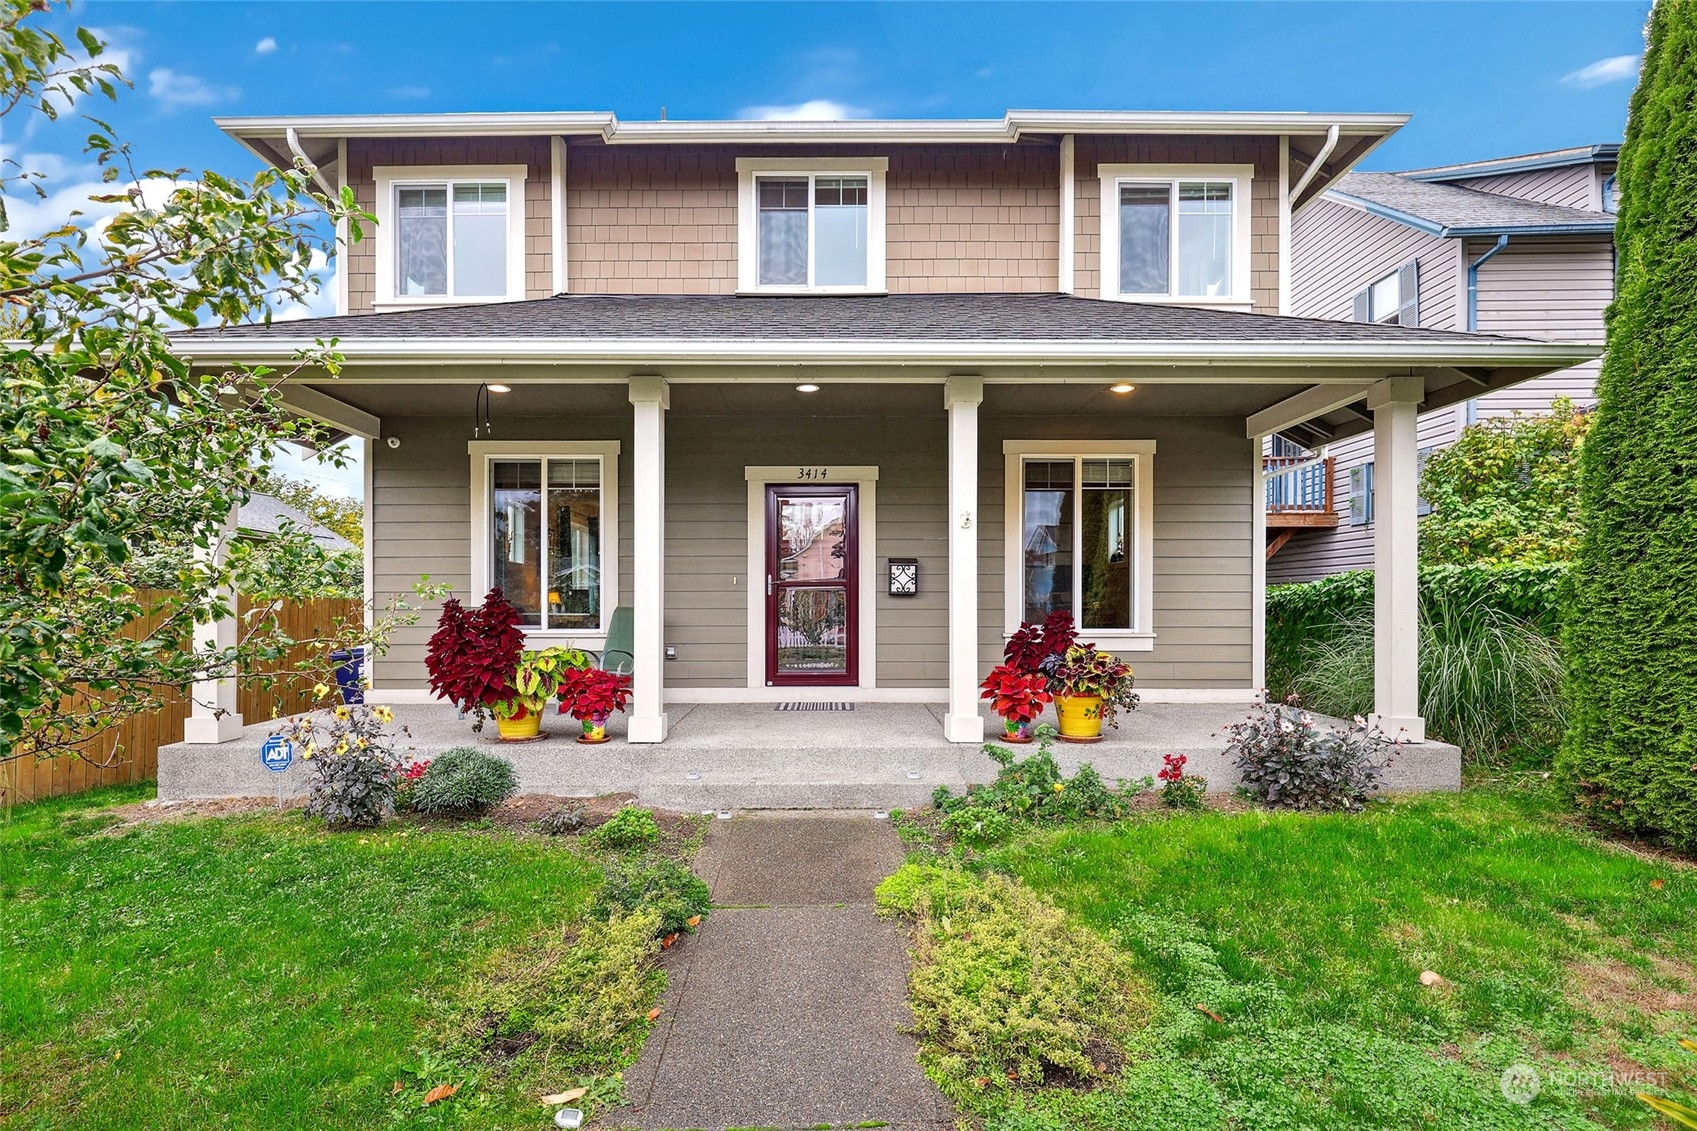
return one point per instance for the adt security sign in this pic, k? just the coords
(278, 753)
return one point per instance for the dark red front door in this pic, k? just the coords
(812, 603)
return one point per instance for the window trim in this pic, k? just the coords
(1242, 178)
(1141, 636)
(390, 178)
(874, 169)
(485, 452)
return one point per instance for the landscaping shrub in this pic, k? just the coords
(574, 1005)
(677, 896)
(1488, 682)
(1630, 625)
(559, 822)
(630, 827)
(1303, 615)
(1026, 791)
(1288, 762)
(352, 771)
(465, 780)
(1006, 992)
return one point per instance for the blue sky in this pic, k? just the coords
(1480, 79)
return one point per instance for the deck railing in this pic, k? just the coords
(1298, 484)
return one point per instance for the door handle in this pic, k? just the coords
(768, 585)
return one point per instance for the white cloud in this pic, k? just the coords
(174, 89)
(813, 110)
(409, 92)
(1616, 68)
(265, 46)
(320, 305)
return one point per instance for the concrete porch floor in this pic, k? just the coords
(750, 756)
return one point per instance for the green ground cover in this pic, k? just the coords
(1307, 935)
(257, 971)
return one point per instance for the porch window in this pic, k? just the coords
(811, 226)
(1175, 235)
(1081, 537)
(546, 531)
(449, 234)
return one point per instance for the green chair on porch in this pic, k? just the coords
(621, 638)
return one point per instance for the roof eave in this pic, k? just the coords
(484, 351)
(1585, 155)
(1457, 231)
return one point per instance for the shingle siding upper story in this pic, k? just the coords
(662, 219)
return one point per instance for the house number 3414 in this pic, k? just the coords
(812, 472)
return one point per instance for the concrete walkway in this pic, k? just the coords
(786, 1011)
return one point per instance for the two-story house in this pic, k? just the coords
(834, 406)
(1519, 246)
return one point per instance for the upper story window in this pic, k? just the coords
(450, 234)
(811, 226)
(1176, 234)
(1393, 300)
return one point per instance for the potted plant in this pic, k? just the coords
(1018, 697)
(472, 656)
(1090, 688)
(590, 695)
(535, 679)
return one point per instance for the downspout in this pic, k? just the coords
(300, 155)
(1315, 165)
(1473, 309)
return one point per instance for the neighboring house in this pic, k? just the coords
(1519, 245)
(737, 375)
(264, 516)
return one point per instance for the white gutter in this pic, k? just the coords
(300, 154)
(1315, 165)
(1010, 127)
(1036, 352)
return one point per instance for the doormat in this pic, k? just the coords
(814, 707)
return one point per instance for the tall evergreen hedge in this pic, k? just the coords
(1630, 629)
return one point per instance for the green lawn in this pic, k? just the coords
(1307, 935)
(254, 971)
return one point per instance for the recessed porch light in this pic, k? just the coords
(807, 388)
(1122, 388)
(500, 388)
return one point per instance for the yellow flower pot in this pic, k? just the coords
(525, 724)
(1081, 717)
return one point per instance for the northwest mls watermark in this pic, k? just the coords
(1521, 1083)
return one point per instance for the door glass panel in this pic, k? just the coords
(1048, 537)
(812, 539)
(813, 631)
(574, 531)
(1105, 518)
(517, 515)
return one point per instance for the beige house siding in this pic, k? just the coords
(1575, 186)
(421, 514)
(365, 154)
(1263, 153)
(1554, 288)
(663, 219)
(1336, 250)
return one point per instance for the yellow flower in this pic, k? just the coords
(341, 712)
(342, 746)
(360, 742)
(320, 691)
(1059, 786)
(310, 750)
(384, 715)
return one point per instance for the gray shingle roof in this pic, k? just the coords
(264, 515)
(941, 317)
(1463, 211)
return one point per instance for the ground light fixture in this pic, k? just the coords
(807, 387)
(1122, 388)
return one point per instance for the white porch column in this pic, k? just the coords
(961, 397)
(649, 398)
(212, 713)
(1396, 557)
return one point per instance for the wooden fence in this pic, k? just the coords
(140, 737)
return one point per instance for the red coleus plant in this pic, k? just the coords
(1031, 643)
(473, 654)
(589, 693)
(1015, 695)
(1172, 767)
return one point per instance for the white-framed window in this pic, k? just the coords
(1080, 537)
(1176, 233)
(1393, 300)
(449, 234)
(810, 226)
(545, 528)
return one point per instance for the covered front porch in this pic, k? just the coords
(724, 756)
